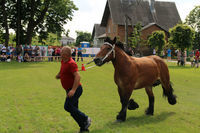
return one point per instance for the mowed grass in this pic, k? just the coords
(32, 100)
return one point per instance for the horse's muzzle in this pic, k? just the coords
(98, 61)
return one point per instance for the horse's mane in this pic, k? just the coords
(118, 44)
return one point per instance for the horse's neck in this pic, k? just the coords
(121, 58)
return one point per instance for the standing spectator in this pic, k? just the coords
(37, 52)
(25, 49)
(168, 54)
(70, 80)
(178, 57)
(30, 53)
(185, 56)
(163, 53)
(57, 52)
(50, 52)
(12, 51)
(30, 50)
(192, 58)
(74, 53)
(54, 53)
(154, 51)
(80, 53)
(18, 51)
(197, 57)
(43, 51)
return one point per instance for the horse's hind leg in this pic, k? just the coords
(150, 109)
(124, 98)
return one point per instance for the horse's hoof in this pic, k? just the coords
(132, 105)
(148, 112)
(121, 118)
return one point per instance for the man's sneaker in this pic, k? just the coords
(88, 123)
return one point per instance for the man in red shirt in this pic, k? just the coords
(197, 57)
(70, 80)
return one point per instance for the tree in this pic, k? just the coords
(181, 36)
(157, 40)
(4, 14)
(135, 38)
(193, 19)
(36, 17)
(83, 36)
(196, 44)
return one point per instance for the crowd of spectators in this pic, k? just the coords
(29, 53)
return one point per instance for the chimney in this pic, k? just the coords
(153, 11)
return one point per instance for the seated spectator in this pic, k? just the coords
(26, 58)
(8, 55)
(3, 57)
(20, 58)
(3, 50)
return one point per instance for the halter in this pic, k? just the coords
(112, 50)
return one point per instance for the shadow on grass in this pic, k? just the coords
(137, 121)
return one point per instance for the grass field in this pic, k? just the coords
(31, 101)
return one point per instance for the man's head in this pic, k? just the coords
(65, 53)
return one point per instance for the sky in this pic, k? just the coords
(91, 12)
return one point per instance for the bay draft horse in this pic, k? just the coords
(135, 73)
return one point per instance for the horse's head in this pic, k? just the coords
(106, 53)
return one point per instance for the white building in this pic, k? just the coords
(67, 40)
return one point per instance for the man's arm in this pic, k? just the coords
(58, 75)
(75, 85)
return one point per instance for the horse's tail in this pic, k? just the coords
(165, 80)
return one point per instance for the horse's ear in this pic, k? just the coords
(114, 40)
(107, 39)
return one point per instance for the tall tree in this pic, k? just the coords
(135, 39)
(157, 40)
(19, 26)
(193, 18)
(83, 36)
(4, 17)
(181, 36)
(40, 17)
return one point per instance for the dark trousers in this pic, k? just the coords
(80, 55)
(71, 106)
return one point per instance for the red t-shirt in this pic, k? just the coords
(66, 73)
(197, 54)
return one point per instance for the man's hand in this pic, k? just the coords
(71, 93)
(58, 76)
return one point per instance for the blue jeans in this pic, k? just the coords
(71, 106)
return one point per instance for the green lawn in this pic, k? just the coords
(31, 101)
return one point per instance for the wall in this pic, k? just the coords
(146, 32)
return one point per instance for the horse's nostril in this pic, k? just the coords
(97, 61)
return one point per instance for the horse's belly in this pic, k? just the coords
(144, 81)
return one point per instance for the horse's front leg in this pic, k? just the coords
(124, 98)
